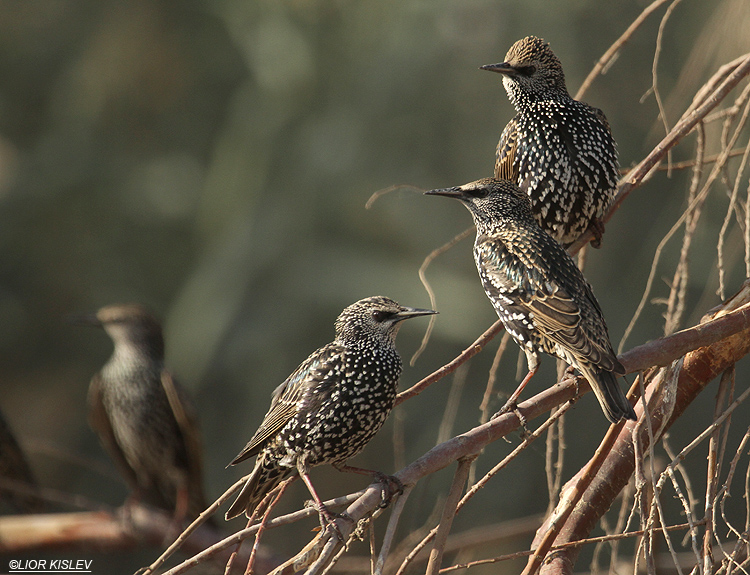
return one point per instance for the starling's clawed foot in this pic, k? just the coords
(388, 492)
(330, 520)
(597, 228)
(513, 406)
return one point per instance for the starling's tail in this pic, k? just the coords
(265, 477)
(612, 399)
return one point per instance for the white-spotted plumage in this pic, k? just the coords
(333, 403)
(538, 292)
(560, 151)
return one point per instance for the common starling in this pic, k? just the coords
(557, 149)
(143, 417)
(538, 292)
(331, 406)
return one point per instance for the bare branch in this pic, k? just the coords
(428, 288)
(699, 367)
(451, 366)
(449, 512)
(611, 54)
(740, 69)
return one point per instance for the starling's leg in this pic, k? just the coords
(597, 228)
(182, 499)
(510, 405)
(380, 477)
(322, 509)
(571, 372)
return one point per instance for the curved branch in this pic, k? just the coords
(699, 368)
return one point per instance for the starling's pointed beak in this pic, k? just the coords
(455, 192)
(501, 68)
(84, 319)
(410, 312)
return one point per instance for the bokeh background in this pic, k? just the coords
(212, 160)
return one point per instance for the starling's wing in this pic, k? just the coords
(295, 395)
(505, 154)
(552, 289)
(100, 423)
(599, 115)
(563, 322)
(186, 417)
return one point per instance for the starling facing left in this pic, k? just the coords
(560, 151)
(142, 415)
(331, 406)
(538, 292)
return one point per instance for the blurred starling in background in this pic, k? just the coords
(331, 406)
(17, 484)
(558, 150)
(143, 416)
(538, 292)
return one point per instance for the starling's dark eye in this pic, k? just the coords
(381, 315)
(526, 70)
(477, 192)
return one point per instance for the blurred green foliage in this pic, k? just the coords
(212, 159)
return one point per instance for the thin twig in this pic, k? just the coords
(428, 287)
(712, 472)
(382, 192)
(707, 160)
(449, 512)
(654, 73)
(445, 431)
(611, 54)
(740, 69)
(528, 440)
(699, 198)
(390, 531)
(730, 208)
(202, 518)
(451, 366)
(570, 545)
(261, 527)
(484, 407)
(570, 498)
(676, 302)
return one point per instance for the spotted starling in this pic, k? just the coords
(538, 292)
(557, 149)
(331, 406)
(143, 416)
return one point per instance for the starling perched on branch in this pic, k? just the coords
(331, 406)
(143, 416)
(557, 149)
(538, 292)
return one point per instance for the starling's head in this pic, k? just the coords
(374, 318)
(490, 201)
(530, 70)
(128, 325)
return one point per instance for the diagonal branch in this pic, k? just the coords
(713, 351)
(699, 367)
(686, 124)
